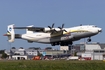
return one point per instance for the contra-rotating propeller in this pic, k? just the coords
(61, 28)
(52, 28)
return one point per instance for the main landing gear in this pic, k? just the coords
(62, 43)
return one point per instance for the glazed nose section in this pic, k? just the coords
(99, 29)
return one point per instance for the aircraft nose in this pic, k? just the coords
(100, 30)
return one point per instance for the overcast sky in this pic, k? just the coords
(45, 12)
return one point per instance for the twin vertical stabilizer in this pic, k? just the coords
(10, 33)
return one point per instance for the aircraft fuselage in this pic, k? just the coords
(72, 34)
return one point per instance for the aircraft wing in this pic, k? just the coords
(53, 31)
(41, 29)
(35, 29)
(38, 29)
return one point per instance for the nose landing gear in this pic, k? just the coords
(89, 39)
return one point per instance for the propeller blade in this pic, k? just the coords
(53, 25)
(62, 25)
(59, 27)
(50, 27)
(65, 30)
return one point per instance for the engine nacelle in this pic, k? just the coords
(47, 29)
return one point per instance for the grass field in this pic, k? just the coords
(52, 65)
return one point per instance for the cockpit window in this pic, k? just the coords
(94, 26)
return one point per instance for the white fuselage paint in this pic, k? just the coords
(76, 33)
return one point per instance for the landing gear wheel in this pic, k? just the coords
(61, 43)
(52, 44)
(70, 43)
(89, 40)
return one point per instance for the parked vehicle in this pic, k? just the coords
(36, 58)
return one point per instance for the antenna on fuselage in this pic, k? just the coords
(80, 24)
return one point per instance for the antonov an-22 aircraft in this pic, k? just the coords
(54, 36)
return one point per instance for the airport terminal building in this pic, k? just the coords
(28, 54)
(91, 51)
(94, 51)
